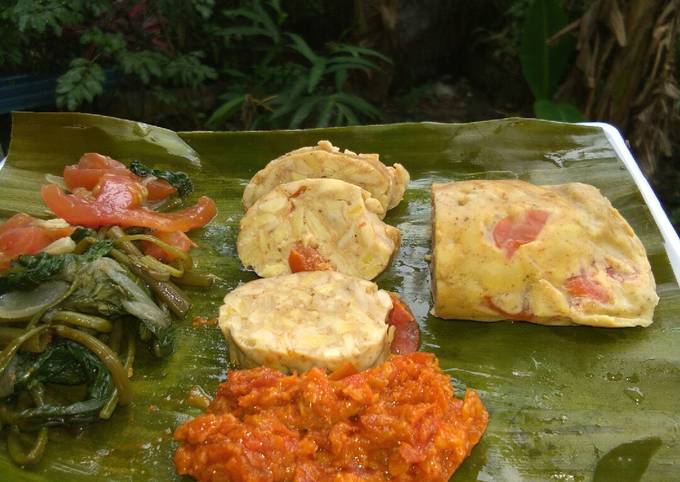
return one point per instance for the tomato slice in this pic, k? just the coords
(94, 160)
(524, 315)
(92, 166)
(23, 234)
(307, 258)
(584, 287)
(407, 333)
(116, 200)
(511, 233)
(176, 239)
(159, 189)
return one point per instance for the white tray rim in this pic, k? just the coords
(670, 236)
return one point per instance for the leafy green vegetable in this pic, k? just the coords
(82, 233)
(178, 179)
(27, 272)
(98, 249)
(108, 289)
(62, 363)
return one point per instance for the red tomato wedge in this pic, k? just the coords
(116, 201)
(511, 233)
(584, 287)
(176, 239)
(93, 160)
(307, 258)
(92, 167)
(407, 334)
(23, 234)
(159, 189)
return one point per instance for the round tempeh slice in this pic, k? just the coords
(385, 183)
(303, 320)
(317, 224)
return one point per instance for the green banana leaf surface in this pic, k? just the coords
(565, 403)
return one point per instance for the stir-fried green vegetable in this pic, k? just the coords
(28, 272)
(63, 320)
(178, 179)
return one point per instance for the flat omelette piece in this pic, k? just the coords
(553, 255)
(310, 319)
(387, 184)
(317, 224)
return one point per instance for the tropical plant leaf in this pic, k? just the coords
(543, 66)
(326, 112)
(315, 74)
(557, 111)
(564, 402)
(358, 103)
(358, 51)
(302, 47)
(226, 110)
(303, 111)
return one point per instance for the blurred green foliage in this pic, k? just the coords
(158, 45)
(286, 83)
(171, 51)
(544, 63)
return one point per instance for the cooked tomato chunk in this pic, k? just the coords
(397, 421)
(116, 200)
(511, 233)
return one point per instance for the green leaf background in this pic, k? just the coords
(565, 403)
(542, 66)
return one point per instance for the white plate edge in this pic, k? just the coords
(671, 239)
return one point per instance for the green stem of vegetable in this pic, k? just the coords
(37, 344)
(16, 447)
(116, 336)
(189, 278)
(110, 405)
(104, 232)
(10, 350)
(115, 233)
(168, 248)
(81, 320)
(157, 265)
(105, 354)
(166, 291)
(84, 244)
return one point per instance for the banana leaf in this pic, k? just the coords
(565, 403)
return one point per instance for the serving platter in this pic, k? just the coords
(565, 403)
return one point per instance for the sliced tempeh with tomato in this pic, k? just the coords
(307, 258)
(309, 319)
(316, 224)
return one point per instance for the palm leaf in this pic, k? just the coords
(573, 403)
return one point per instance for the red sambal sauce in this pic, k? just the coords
(399, 421)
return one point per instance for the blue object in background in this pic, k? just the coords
(22, 92)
